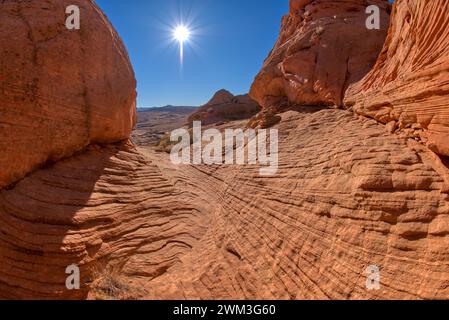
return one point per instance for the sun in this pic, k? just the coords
(181, 33)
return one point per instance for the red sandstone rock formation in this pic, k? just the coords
(60, 89)
(323, 47)
(224, 106)
(110, 206)
(409, 85)
(347, 196)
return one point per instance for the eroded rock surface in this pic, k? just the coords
(347, 196)
(410, 82)
(60, 89)
(323, 47)
(109, 206)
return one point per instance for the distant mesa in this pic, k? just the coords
(224, 106)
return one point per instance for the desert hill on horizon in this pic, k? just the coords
(155, 123)
(357, 208)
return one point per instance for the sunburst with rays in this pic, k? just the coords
(181, 34)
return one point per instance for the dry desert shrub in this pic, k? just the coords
(166, 145)
(110, 284)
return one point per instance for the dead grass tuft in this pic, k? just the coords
(110, 284)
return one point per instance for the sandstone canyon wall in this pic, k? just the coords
(60, 89)
(63, 92)
(347, 194)
(323, 47)
(409, 85)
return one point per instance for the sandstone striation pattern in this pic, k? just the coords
(60, 89)
(109, 207)
(347, 196)
(409, 85)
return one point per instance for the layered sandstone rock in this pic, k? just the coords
(410, 81)
(323, 47)
(109, 207)
(60, 89)
(347, 196)
(224, 106)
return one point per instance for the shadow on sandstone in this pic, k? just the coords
(46, 224)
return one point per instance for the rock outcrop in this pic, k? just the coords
(60, 89)
(108, 208)
(224, 106)
(347, 196)
(409, 85)
(323, 47)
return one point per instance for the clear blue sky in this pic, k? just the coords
(231, 40)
